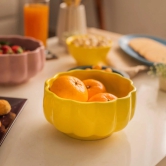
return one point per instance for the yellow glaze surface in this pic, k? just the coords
(88, 56)
(91, 120)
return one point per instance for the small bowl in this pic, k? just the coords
(88, 56)
(91, 120)
(19, 68)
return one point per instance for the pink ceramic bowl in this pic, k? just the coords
(19, 68)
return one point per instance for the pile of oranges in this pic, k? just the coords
(89, 90)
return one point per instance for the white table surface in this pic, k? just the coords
(32, 141)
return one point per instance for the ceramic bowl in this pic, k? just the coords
(91, 120)
(88, 56)
(122, 73)
(18, 68)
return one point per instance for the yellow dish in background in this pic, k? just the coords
(91, 120)
(91, 55)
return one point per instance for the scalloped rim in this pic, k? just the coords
(54, 77)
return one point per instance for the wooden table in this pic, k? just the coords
(32, 141)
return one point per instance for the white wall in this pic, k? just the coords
(121, 16)
(136, 16)
(9, 16)
(54, 10)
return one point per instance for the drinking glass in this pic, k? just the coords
(36, 16)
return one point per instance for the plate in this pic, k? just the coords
(123, 43)
(8, 120)
(103, 67)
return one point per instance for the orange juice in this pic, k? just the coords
(36, 21)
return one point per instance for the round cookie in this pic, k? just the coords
(4, 107)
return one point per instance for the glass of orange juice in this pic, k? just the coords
(36, 16)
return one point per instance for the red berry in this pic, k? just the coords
(17, 49)
(6, 49)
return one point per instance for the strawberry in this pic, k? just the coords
(6, 49)
(17, 49)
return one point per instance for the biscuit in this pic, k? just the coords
(4, 107)
(149, 49)
(8, 119)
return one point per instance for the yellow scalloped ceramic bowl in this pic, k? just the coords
(88, 56)
(91, 120)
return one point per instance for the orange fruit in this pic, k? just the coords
(99, 67)
(102, 97)
(108, 70)
(94, 86)
(70, 87)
